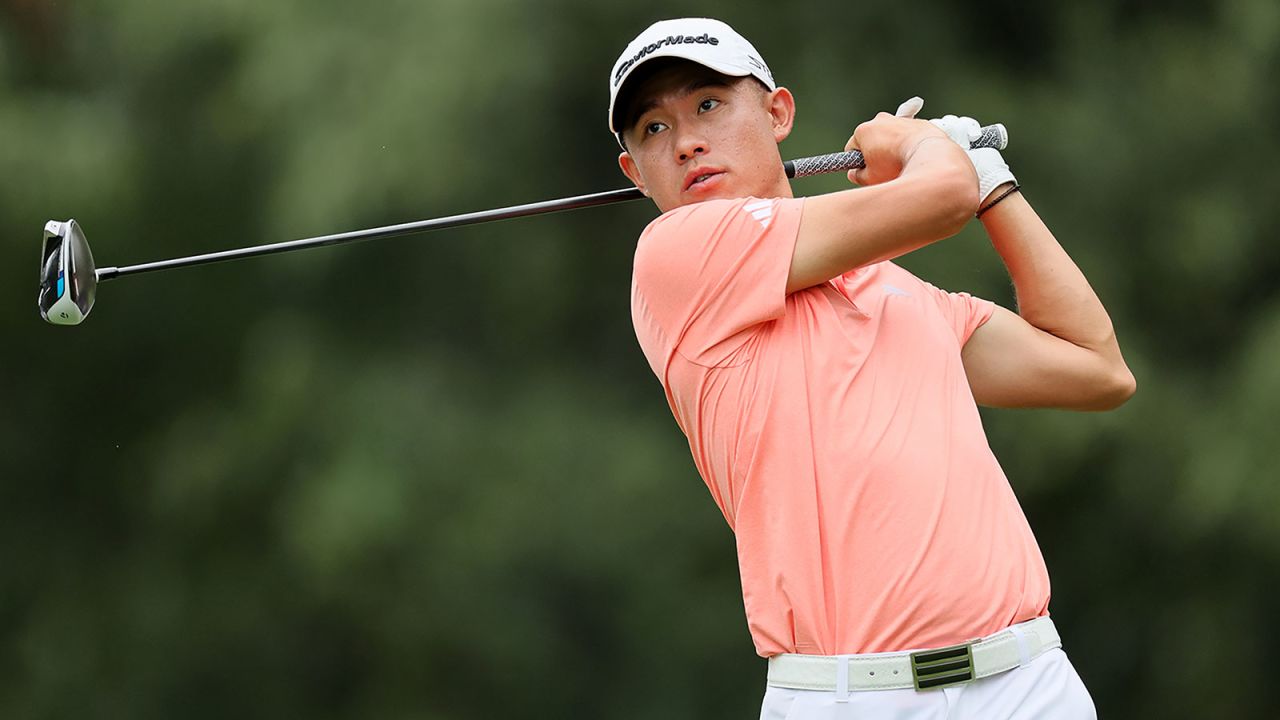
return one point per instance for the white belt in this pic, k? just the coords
(925, 669)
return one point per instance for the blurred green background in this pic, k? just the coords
(433, 477)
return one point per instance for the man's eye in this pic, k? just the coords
(653, 128)
(708, 104)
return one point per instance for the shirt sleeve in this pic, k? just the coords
(709, 274)
(964, 312)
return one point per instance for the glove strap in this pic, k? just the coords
(1002, 196)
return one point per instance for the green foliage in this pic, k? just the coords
(308, 486)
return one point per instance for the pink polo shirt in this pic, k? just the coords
(837, 433)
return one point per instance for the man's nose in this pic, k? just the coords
(691, 145)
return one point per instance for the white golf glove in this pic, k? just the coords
(990, 166)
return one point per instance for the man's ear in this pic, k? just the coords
(632, 171)
(782, 113)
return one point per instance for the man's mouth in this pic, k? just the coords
(701, 178)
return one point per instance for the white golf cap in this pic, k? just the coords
(705, 41)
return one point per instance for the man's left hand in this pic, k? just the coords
(992, 170)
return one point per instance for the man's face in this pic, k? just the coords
(694, 135)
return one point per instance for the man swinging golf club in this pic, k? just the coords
(830, 397)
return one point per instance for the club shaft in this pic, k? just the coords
(993, 136)
(386, 231)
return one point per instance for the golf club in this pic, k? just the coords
(69, 278)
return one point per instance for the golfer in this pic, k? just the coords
(830, 397)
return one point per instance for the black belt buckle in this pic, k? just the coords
(943, 667)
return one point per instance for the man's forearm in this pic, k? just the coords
(1053, 294)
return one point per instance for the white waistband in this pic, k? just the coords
(1016, 645)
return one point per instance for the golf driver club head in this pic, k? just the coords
(68, 277)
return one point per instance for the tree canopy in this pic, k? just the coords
(433, 477)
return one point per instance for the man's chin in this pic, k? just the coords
(685, 202)
(725, 193)
(688, 198)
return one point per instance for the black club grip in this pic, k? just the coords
(993, 136)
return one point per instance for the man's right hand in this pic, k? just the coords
(918, 191)
(887, 143)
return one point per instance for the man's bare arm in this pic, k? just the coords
(1060, 350)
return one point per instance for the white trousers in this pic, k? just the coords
(1047, 688)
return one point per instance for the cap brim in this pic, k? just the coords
(730, 69)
